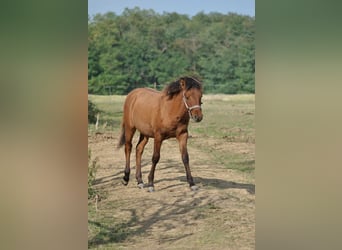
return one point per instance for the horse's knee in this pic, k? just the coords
(128, 148)
(128, 145)
(139, 150)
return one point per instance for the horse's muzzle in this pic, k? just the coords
(197, 117)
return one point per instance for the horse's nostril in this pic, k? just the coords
(197, 118)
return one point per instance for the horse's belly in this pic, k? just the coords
(145, 129)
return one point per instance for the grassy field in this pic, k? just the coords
(227, 118)
(222, 158)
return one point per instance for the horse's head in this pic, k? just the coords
(192, 96)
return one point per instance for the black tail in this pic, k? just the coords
(122, 139)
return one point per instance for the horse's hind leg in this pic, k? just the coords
(128, 149)
(155, 160)
(139, 151)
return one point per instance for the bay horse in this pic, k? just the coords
(160, 115)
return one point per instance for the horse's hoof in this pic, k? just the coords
(194, 188)
(124, 182)
(151, 189)
(141, 185)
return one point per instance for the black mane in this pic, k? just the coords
(174, 88)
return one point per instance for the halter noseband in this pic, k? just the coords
(187, 106)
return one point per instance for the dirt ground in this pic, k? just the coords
(220, 215)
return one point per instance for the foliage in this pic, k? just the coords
(92, 112)
(140, 48)
(92, 169)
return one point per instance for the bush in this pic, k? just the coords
(92, 169)
(92, 112)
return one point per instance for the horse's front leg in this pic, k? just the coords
(183, 139)
(155, 160)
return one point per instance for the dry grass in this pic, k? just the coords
(220, 215)
(230, 98)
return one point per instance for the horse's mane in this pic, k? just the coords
(174, 88)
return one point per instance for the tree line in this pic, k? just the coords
(141, 48)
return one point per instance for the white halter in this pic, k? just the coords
(187, 106)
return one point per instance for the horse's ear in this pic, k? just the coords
(182, 83)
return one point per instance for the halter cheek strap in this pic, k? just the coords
(190, 108)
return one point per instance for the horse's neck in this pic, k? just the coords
(176, 108)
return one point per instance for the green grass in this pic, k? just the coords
(228, 119)
(104, 230)
(225, 136)
(111, 112)
(228, 125)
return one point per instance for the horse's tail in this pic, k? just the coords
(122, 139)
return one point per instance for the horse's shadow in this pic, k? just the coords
(223, 184)
(108, 179)
(208, 182)
(212, 182)
(202, 181)
(120, 231)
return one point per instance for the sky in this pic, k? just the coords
(188, 7)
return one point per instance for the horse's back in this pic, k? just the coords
(143, 96)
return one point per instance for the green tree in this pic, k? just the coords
(141, 47)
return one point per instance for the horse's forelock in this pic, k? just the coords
(192, 82)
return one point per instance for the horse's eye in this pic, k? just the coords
(201, 103)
